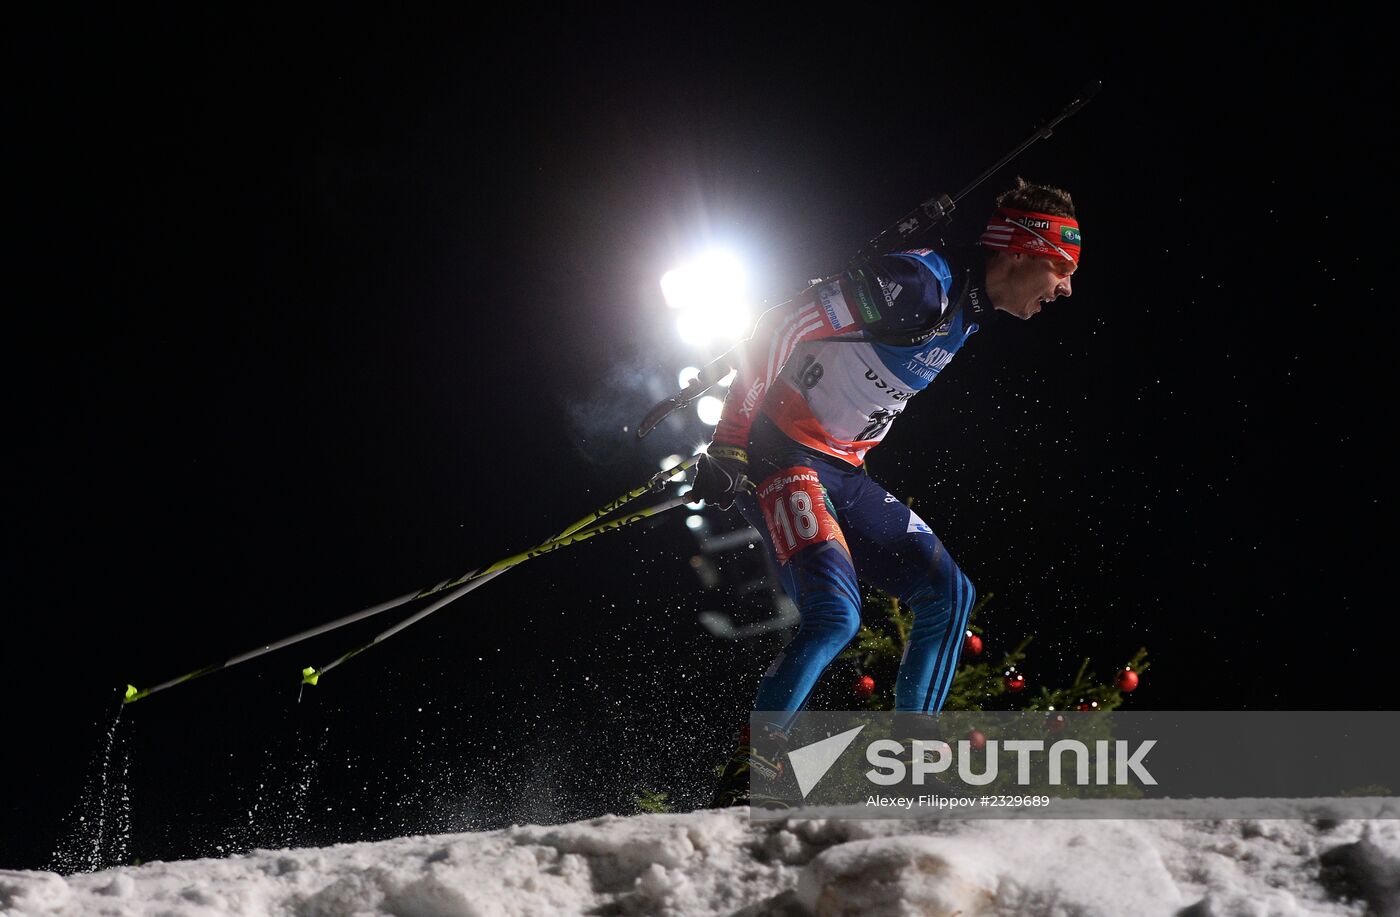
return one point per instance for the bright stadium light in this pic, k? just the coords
(676, 287)
(711, 294)
(713, 275)
(690, 372)
(709, 408)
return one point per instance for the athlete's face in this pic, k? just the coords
(1021, 284)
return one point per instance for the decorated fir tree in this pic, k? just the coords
(983, 681)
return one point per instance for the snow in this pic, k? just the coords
(718, 862)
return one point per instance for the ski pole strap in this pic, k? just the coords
(718, 450)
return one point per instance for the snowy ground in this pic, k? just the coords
(715, 862)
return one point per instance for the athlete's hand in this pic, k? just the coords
(721, 473)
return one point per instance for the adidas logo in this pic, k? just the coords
(892, 289)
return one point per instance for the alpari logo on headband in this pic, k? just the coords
(1034, 233)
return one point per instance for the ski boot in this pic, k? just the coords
(756, 774)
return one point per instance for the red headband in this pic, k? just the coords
(1042, 234)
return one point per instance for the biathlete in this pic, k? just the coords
(820, 382)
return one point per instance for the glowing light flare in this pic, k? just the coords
(721, 322)
(709, 408)
(724, 383)
(690, 372)
(711, 295)
(714, 275)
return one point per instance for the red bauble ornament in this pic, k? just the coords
(972, 644)
(864, 686)
(976, 739)
(1085, 706)
(1127, 680)
(1055, 722)
(1015, 681)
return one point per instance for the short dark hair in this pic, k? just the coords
(1040, 198)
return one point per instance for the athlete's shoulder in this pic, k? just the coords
(911, 288)
(931, 260)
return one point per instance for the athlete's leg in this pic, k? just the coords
(792, 511)
(897, 551)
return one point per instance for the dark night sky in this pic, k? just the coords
(303, 315)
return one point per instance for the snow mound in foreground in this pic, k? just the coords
(715, 862)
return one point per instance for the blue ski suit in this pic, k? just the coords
(819, 384)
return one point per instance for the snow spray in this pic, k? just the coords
(99, 830)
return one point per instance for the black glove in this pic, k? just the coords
(720, 475)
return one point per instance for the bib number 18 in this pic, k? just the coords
(794, 506)
(801, 503)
